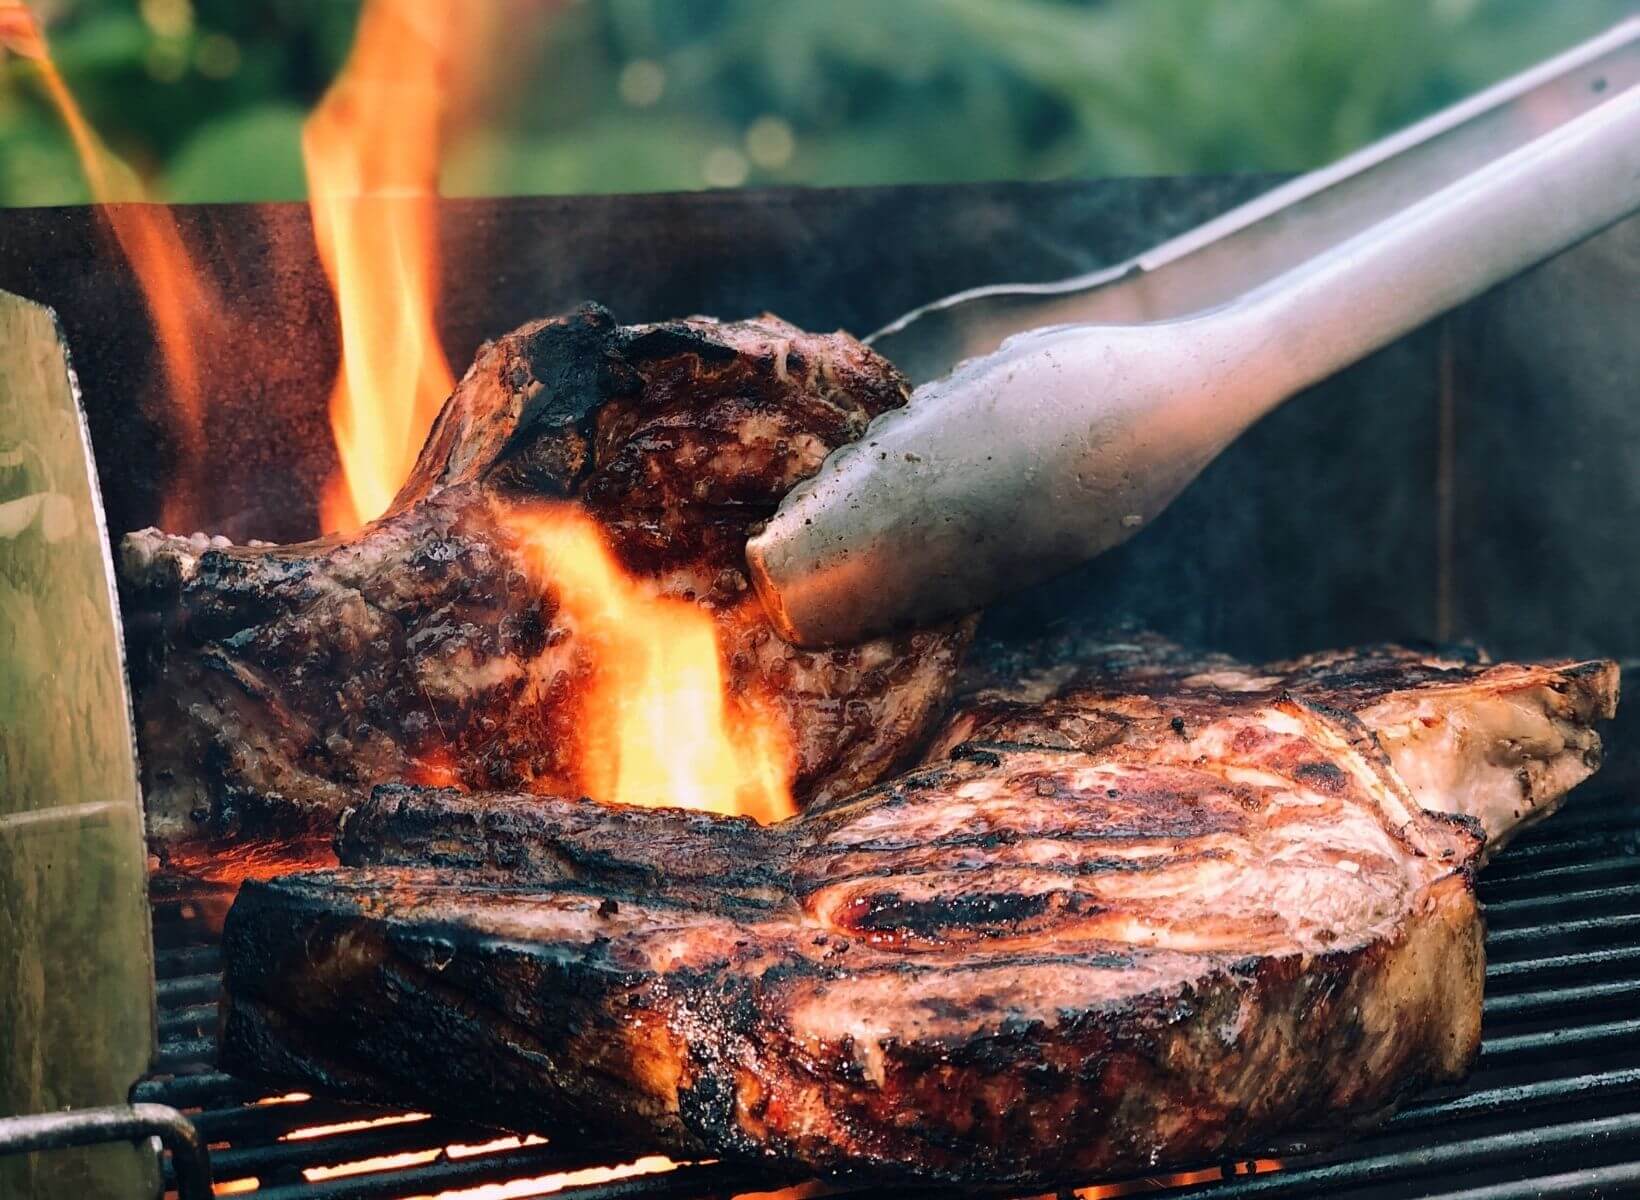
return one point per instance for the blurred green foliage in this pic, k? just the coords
(207, 96)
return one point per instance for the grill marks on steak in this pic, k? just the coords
(276, 684)
(1017, 964)
(1500, 742)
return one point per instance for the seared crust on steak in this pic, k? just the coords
(1500, 742)
(1018, 965)
(275, 685)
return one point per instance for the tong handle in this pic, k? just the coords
(1068, 439)
(1445, 249)
(1283, 228)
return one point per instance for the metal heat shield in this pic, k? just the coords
(76, 951)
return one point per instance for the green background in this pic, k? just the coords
(206, 97)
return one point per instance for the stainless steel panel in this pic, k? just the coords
(76, 952)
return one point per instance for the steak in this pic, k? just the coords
(276, 684)
(1500, 742)
(1021, 964)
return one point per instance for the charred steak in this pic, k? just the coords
(1021, 964)
(276, 684)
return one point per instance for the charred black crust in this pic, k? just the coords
(568, 368)
(970, 752)
(670, 339)
(1323, 776)
(571, 359)
(672, 857)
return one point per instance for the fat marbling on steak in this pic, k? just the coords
(1021, 964)
(276, 684)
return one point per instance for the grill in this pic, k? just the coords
(1551, 1110)
(1485, 492)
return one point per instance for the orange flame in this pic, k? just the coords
(372, 155)
(1135, 1187)
(539, 1185)
(659, 726)
(177, 297)
(545, 1185)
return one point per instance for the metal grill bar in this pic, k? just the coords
(1548, 1000)
(198, 1090)
(189, 1162)
(1524, 855)
(1507, 1099)
(190, 1021)
(1589, 896)
(259, 1124)
(1505, 939)
(1585, 1038)
(1600, 1183)
(1580, 962)
(188, 989)
(1453, 1155)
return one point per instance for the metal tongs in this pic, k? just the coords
(1085, 406)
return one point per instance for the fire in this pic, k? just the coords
(1133, 1187)
(539, 1185)
(659, 726)
(179, 301)
(318, 1131)
(372, 154)
(545, 1185)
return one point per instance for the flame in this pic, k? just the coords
(284, 1098)
(18, 32)
(178, 299)
(539, 1185)
(658, 724)
(318, 1131)
(462, 1150)
(545, 1185)
(369, 1166)
(372, 154)
(1133, 1187)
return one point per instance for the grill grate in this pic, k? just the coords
(1551, 1110)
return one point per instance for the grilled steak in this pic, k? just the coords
(1502, 743)
(1021, 964)
(275, 684)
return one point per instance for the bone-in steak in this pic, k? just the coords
(1020, 964)
(276, 684)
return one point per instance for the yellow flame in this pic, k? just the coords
(318, 1131)
(461, 1150)
(369, 1166)
(1153, 1183)
(177, 297)
(372, 155)
(658, 723)
(545, 1185)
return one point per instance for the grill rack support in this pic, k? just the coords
(190, 1158)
